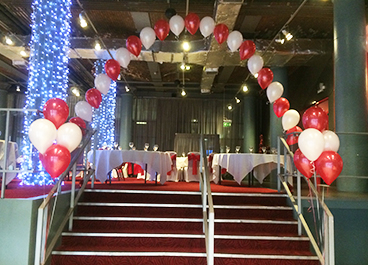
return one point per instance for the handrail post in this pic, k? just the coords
(299, 191)
(38, 245)
(211, 239)
(5, 155)
(278, 165)
(72, 196)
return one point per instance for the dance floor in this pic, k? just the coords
(14, 190)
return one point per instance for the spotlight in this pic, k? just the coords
(18, 88)
(186, 46)
(97, 46)
(237, 100)
(182, 66)
(256, 75)
(245, 88)
(127, 89)
(183, 93)
(280, 40)
(75, 91)
(23, 53)
(82, 20)
(229, 107)
(8, 40)
(287, 34)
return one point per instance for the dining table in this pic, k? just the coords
(241, 164)
(106, 160)
(10, 161)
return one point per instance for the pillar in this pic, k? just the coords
(350, 93)
(280, 74)
(3, 104)
(249, 129)
(126, 120)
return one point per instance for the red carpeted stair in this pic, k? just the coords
(165, 227)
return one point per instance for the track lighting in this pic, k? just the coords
(183, 93)
(237, 100)
(244, 88)
(287, 34)
(8, 40)
(82, 20)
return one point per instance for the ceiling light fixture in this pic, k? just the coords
(244, 88)
(23, 53)
(186, 46)
(127, 89)
(287, 34)
(237, 100)
(229, 107)
(255, 75)
(280, 40)
(97, 46)
(18, 88)
(8, 40)
(183, 93)
(82, 20)
(75, 91)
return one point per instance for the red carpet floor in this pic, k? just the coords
(14, 190)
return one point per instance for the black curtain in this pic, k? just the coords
(158, 120)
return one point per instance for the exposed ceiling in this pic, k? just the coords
(156, 72)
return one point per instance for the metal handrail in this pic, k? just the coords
(42, 250)
(325, 253)
(207, 206)
(3, 169)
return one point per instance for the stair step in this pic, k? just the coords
(249, 199)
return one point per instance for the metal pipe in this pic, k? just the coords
(5, 155)
(299, 190)
(278, 165)
(72, 196)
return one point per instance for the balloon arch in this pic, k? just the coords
(317, 146)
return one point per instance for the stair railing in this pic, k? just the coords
(45, 217)
(323, 239)
(207, 205)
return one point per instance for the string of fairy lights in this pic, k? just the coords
(48, 74)
(103, 118)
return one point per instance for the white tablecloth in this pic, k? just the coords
(239, 165)
(106, 160)
(11, 161)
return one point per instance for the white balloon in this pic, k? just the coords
(83, 110)
(311, 143)
(206, 26)
(123, 57)
(176, 24)
(69, 135)
(42, 134)
(255, 63)
(234, 40)
(290, 119)
(148, 37)
(274, 91)
(102, 83)
(332, 142)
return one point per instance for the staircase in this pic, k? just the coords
(165, 227)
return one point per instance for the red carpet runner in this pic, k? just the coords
(119, 227)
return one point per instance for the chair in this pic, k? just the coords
(192, 173)
(173, 175)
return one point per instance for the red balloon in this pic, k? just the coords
(315, 117)
(293, 138)
(329, 166)
(192, 23)
(112, 68)
(247, 49)
(79, 121)
(134, 45)
(303, 164)
(221, 32)
(56, 110)
(265, 77)
(56, 160)
(162, 29)
(94, 97)
(280, 106)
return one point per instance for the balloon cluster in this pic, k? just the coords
(176, 25)
(55, 139)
